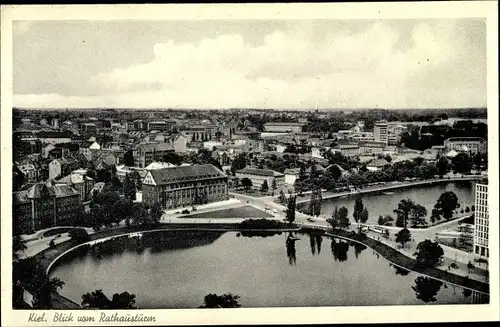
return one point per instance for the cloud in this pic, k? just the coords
(289, 69)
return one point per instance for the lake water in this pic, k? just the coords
(380, 203)
(177, 269)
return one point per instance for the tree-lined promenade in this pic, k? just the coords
(396, 185)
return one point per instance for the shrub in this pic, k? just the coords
(261, 223)
(79, 235)
(185, 211)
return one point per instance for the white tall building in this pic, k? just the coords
(380, 132)
(481, 220)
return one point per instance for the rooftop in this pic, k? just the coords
(185, 173)
(156, 147)
(451, 139)
(259, 172)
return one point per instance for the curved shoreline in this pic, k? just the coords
(398, 259)
(397, 186)
(395, 258)
(400, 266)
(106, 238)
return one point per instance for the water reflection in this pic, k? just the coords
(315, 242)
(426, 288)
(290, 249)
(312, 241)
(402, 271)
(319, 240)
(257, 233)
(339, 250)
(358, 248)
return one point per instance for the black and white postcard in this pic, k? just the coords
(265, 163)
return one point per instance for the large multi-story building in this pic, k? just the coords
(348, 150)
(200, 132)
(371, 147)
(184, 186)
(283, 127)
(394, 133)
(466, 144)
(44, 205)
(144, 154)
(82, 183)
(380, 132)
(258, 176)
(481, 221)
(161, 125)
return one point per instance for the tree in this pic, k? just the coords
(282, 197)
(43, 286)
(18, 245)
(429, 253)
(290, 210)
(363, 218)
(335, 172)
(334, 221)
(446, 204)
(139, 214)
(264, 187)
(129, 188)
(402, 212)
(246, 183)
(315, 202)
(442, 166)
(343, 221)
(478, 159)
(417, 215)
(128, 159)
(98, 300)
(273, 185)
(358, 209)
(239, 162)
(403, 236)
(462, 163)
(227, 300)
(156, 212)
(79, 235)
(385, 220)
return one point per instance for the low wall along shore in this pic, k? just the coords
(49, 257)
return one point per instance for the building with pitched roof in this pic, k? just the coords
(82, 183)
(184, 186)
(258, 176)
(377, 164)
(44, 205)
(144, 154)
(466, 144)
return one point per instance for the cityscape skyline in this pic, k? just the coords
(348, 64)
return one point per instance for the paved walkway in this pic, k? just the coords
(394, 185)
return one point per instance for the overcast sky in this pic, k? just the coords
(250, 64)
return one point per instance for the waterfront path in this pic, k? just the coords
(406, 261)
(396, 185)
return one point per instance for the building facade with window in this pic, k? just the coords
(184, 186)
(466, 144)
(481, 221)
(44, 205)
(380, 132)
(283, 127)
(258, 176)
(144, 154)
